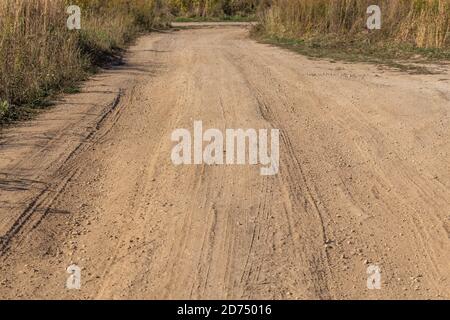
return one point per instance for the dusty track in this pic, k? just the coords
(364, 179)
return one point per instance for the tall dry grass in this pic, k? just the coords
(423, 23)
(212, 8)
(38, 54)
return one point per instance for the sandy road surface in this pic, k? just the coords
(364, 179)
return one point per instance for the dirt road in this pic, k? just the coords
(364, 180)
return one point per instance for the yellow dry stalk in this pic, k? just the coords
(424, 23)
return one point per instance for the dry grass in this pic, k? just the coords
(39, 55)
(422, 23)
(228, 9)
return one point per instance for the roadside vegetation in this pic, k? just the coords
(221, 18)
(413, 32)
(39, 56)
(213, 10)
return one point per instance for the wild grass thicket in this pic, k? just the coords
(422, 23)
(213, 8)
(39, 54)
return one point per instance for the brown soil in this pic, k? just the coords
(364, 179)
